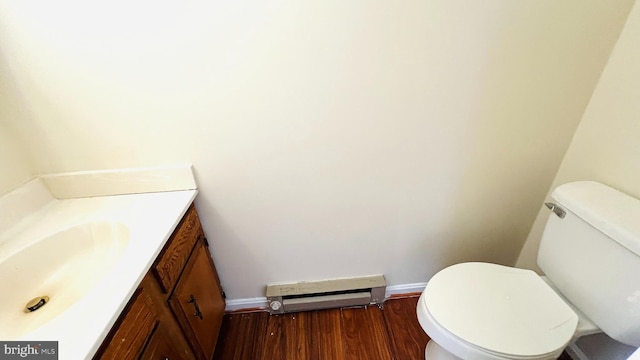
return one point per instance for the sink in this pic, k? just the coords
(64, 266)
(86, 249)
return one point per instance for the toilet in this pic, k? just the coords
(590, 254)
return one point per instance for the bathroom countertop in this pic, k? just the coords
(150, 219)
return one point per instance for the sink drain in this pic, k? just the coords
(36, 303)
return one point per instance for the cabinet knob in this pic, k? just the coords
(192, 300)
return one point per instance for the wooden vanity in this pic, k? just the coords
(177, 310)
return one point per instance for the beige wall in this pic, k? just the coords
(14, 159)
(329, 138)
(606, 145)
(15, 169)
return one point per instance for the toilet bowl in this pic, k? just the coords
(590, 254)
(482, 311)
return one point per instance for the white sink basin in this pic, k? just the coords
(87, 253)
(64, 266)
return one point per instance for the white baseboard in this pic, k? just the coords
(261, 302)
(404, 289)
(246, 303)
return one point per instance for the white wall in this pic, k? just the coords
(14, 159)
(15, 168)
(332, 138)
(606, 145)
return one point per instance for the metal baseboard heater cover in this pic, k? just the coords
(326, 294)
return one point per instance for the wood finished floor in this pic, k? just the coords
(337, 334)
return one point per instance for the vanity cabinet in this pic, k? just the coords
(177, 310)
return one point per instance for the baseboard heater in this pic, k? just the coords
(326, 294)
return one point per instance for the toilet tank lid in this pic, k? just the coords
(612, 212)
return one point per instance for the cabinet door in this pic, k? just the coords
(198, 304)
(161, 347)
(136, 325)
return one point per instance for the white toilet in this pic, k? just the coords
(590, 253)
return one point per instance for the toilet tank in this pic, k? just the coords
(592, 256)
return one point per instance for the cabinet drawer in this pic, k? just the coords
(175, 255)
(134, 330)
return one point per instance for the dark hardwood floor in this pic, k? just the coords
(337, 334)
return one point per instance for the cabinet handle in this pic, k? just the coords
(192, 300)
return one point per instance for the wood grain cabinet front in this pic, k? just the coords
(127, 340)
(160, 346)
(174, 256)
(177, 310)
(198, 304)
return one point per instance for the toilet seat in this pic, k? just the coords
(488, 311)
